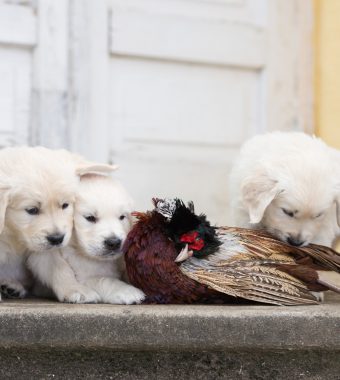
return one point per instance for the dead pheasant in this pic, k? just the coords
(176, 256)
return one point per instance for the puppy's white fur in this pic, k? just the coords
(89, 269)
(34, 179)
(286, 183)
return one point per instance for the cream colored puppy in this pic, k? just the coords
(102, 220)
(38, 187)
(286, 183)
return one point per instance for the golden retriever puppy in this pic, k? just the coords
(102, 220)
(38, 187)
(286, 183)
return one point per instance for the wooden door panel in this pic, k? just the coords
(174, 37)
(17, 39)
(183, 94)
(153, 102)
(17, 25)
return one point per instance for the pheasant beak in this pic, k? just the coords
(183, 255)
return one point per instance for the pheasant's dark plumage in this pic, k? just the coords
(226, 263)
(150, 262)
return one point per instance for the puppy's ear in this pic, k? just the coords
(4, 198)
(257, 193)
(93, 168)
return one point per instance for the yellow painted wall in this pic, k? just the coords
(327, 70)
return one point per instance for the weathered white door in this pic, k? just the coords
(184, 84)
(189, 80)
(168, 89)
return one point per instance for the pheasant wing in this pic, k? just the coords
(256, 241)
(249, 277)
(324, 256)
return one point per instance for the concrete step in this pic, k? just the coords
(47, 340)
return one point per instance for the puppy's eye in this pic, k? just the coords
(91, 218)
(289, 213)
(318, 215)
(32, 210)
(64, 206)
(122, 217)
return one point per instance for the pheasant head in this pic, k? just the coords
(192, 234)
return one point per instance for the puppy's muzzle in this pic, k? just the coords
(55, 239)
(295, 241)
(112, 244)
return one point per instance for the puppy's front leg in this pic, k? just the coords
(15, 279)
(54, 272)
(12, 289)
(115, 291)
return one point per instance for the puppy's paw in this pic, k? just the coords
(320, 296)
(12, 290)
(79, 295)
(129, 295)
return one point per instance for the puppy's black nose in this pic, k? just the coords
(295, 241)
(112, 243)
(55, 239)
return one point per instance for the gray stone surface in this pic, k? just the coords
(203, 365)
(34, 323)
(47, 340)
